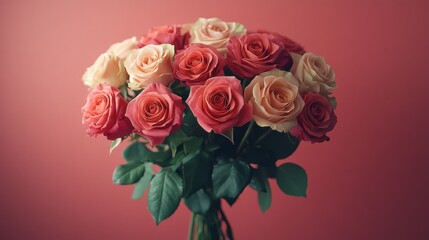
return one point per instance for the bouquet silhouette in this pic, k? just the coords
(213, 105)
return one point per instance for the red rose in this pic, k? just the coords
(218, 105)
(104, 113)
(255, 53)
(197, 63)
(164, 35)
(289, 44)
(316, 119)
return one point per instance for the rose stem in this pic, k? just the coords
(228, 226)
(249, 128)
(200, 225)
(263, 136)
(191, 227)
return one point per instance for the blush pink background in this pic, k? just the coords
(369, 182)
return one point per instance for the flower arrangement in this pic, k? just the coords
(213, 107)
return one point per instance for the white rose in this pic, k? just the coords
(314, 75)
(215, 32)
(150, 64)
(122, 49)
(106, 69)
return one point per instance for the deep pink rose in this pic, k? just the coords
(155, 113)
(164, 35)
(219, 105)
(197, 63)
(184, 31)
(289, 44)
(104, 113)
(316, 119)
(255, 53)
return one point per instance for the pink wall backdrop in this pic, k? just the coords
(369, 182)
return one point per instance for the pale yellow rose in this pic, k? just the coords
(122, 49)
(150, 64)
(214, 32)
(275, 99)
(106, 69)
(314, 75)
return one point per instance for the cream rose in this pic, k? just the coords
(275, 99)
(215, 32)
(106, 69)
(122, 49)
(150, 64)
(314, 75)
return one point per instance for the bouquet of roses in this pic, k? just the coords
(212, 107)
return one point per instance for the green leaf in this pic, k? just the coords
(162, 157)
(124, 92)
(257, 181)
(270, 171)
(230, 178)
(138, 151)
(227, 149)
(176, 139)
(190, 125)
(164, 196)
(192, 145)
(231, 201)
(257, 154)
(229, 135)
(115, 143)
(177, 160)
(197, 168)
(179, 89)
(333, 102)
(134, 152)
(199, 202)
(213, 147)
(143, 183)
(268, 146)
(264, 198)
(128, 173)
(292, 179)
(279, 145)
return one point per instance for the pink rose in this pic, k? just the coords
(255, 53)
(184, 30)
(164, 34)
(219, 105)
(289, 44)
(316, 119)
(150, 64)
(155, 113)
(104, 113)
(197, 63)
(275, 99)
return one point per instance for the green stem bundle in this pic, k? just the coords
(209, 225)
